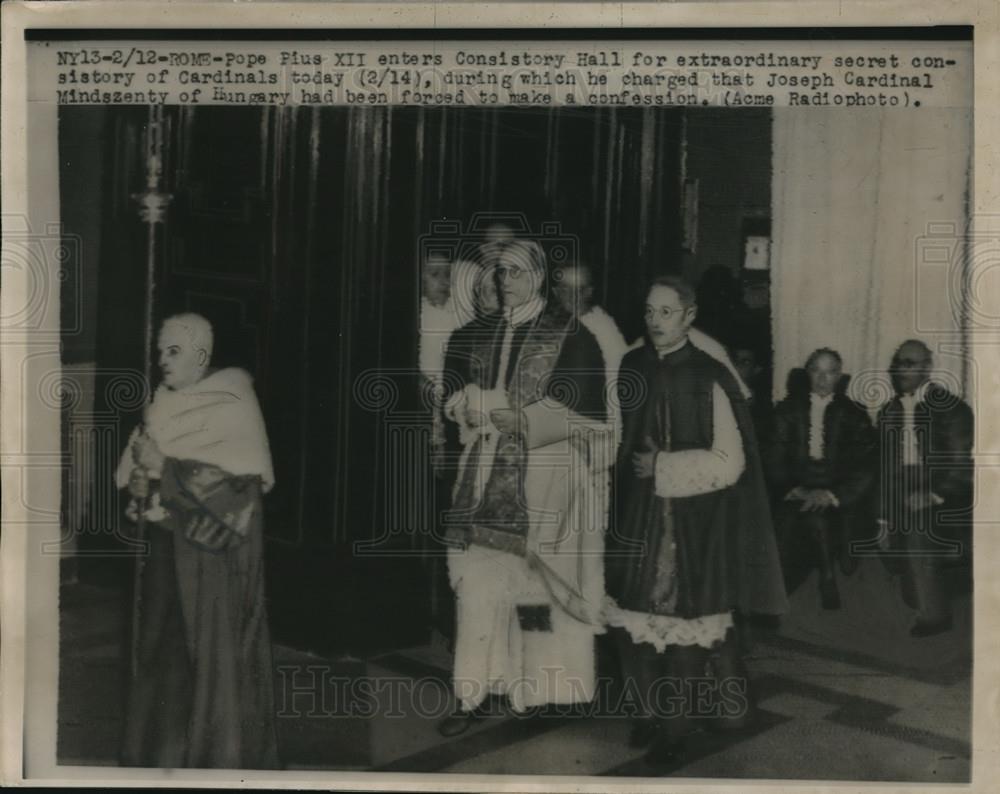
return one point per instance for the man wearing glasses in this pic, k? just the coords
(926, 436)
(527, 394)
(694, 539)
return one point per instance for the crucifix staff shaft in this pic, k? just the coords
(152, 210)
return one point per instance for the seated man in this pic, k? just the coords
(926, 485)
(820, 464)
(200, 693)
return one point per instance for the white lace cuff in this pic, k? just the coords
(663, 630)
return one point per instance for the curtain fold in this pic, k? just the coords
(870, 215)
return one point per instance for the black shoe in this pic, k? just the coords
(457, 724)
(930, 628)
(666, 751)
(460, 720)
(829, 597)
(643, 732)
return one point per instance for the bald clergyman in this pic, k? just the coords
(201, 692)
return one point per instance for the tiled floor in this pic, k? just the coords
(840, 698)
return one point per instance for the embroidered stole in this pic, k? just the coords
(495, 515)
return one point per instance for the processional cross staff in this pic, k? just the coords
(152, 208)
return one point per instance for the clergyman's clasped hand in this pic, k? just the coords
(644, 461)
(147, 453)
(509, 421)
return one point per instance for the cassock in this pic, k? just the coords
(694, 542)
(703, 520)
(526, 565)
(201, 694)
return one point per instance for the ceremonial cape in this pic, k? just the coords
(201, 691)
(725, 554)
(215, 421)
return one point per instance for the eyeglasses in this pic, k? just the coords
(909, 363)
(514, 272)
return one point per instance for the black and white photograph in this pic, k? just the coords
(574, 404)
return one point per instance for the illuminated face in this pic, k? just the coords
(436, 280)
(745, 362)
(824, 372)
(519, 280)
(667, 319)
(573, 290)
(911, 367)
(499, 233)
(181, 364)
(498, 236)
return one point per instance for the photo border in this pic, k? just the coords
(29, 668)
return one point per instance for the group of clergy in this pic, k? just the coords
(546, 413)
(542, 414)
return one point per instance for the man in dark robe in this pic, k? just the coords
(694, 538)
(201, 690)
(527, 393)
(821, 465)
(926, 483)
